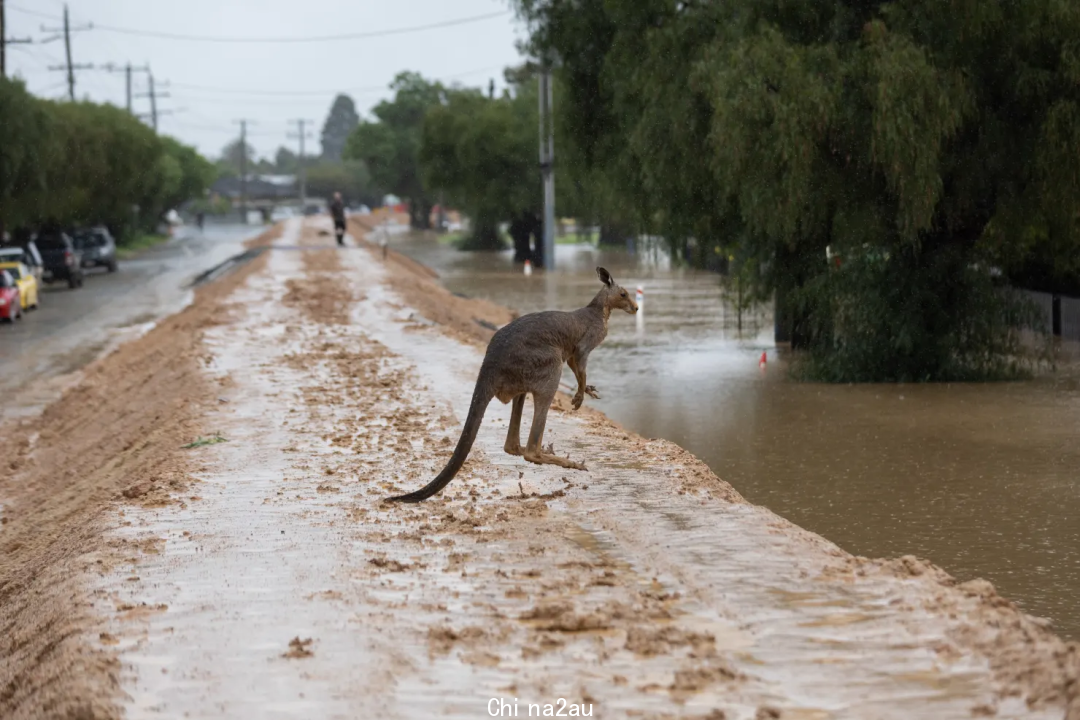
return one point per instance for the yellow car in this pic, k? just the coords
(25, 281)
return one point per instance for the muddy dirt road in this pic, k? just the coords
(258, 574)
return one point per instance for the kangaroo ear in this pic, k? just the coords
(605, 277)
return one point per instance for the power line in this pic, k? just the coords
(285, 39)
(69, 66)
(319, 93)
(127, 69)
(35, 13)
(5, 41)
(309, 39)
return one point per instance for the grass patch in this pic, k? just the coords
(576, 238)
(139, 243)
(200, 441)
(451, 238)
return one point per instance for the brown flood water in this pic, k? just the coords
(983, 480)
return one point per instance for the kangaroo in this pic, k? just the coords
(526, 356)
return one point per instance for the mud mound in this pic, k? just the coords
(114, 437)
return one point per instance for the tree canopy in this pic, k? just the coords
(73, 163)
(942, 135)
(482, 151)
(390, 144)
(235, 155)
(340, 123)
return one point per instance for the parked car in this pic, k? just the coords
(97, 247)
(25, 281)
(282, 213)
(26, 253)
(10, 307)
(62, 261)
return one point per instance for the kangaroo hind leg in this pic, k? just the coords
(533, 452)
(513, 435)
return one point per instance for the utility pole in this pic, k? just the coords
(301, 169)
(4, 42)
(69, 67)
(153, 95)
(243, 167)
(153, 102)
(127, 69)
(547, 164)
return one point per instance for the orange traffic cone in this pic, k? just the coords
(762, 361)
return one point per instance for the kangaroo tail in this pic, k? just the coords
(482, 395)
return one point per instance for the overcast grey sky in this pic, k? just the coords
(214, 83)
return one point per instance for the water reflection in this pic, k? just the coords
(982, 479)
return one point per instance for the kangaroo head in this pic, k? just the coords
(615, 296)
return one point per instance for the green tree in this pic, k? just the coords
(81, 163)
(390, 144)
(234, 155)
(921, 141)
(286, 161)
(24, 135)
(351, 178)
(482, 152)
(339, 124)
(195, 173)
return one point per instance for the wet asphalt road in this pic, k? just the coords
(73, 327)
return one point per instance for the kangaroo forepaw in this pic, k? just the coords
(577, 400)
(591, 391)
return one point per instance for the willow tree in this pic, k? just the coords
(922, 142)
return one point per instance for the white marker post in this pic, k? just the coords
(639, 317)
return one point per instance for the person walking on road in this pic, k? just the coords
(337, 211)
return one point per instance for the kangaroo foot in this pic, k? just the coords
(591, 391)
(543, 458)
(513, 449)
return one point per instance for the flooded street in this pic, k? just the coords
(225, 548)
(983, 480)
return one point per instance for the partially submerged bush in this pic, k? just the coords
(908, 316)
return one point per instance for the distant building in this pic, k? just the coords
(259, 187)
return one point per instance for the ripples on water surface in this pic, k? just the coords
(984, 480)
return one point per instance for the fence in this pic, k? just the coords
(1062, 314)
